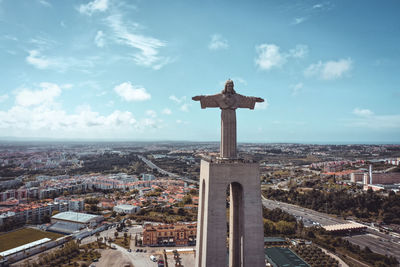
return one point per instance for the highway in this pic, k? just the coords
(154, 166)
(170, 174)
(378, 242)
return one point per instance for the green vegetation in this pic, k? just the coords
(344, 248)
(282, 223)
(23, 236)
(314, 256)
(368, 206)
(123, 241)
(165, 215)
(69, 256)
(277, 221)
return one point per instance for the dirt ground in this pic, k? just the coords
(110, 257)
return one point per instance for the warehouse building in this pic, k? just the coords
(69, 222)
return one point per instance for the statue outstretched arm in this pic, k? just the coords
(208, 101)
(248, 101)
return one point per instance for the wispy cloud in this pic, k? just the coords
(44, 3)
(329, 70)
(269, 55)
(60, 64)
(296, 88)
(297, 21)
(362, 112)
(300, 51)
(41, 62)
(176, 99)
(368, 119)
(262, 106)
(99, 39)
(148, 46)
(218, 42)
(166, 111)
(181, 101)
(151, 113)
(94, 6)
(129, 92)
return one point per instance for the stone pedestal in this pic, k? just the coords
(246, 237)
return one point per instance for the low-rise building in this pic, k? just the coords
(179, 234)
(69, 221)
(127, 209)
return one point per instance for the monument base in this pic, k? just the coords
(246, 237)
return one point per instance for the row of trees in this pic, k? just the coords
(367, 205)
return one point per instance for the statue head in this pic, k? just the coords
(229, 87)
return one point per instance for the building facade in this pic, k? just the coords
(180, 234)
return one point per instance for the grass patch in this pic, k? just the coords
(23, 236)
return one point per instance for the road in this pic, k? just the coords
(378, 242)
(154, 166)
(170, 174)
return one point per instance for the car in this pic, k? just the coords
(144, 251)
(129, 250)
(137, 250)
(153, 258)
(160, 263)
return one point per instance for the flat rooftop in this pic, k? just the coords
(75, 217)
(279, 256)
(24, 247)
(344, 227)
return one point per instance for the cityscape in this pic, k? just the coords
(192, 133)
(340, 200)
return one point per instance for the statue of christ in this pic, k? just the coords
(228, 101)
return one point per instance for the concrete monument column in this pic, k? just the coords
(246, 238)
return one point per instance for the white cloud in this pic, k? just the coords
(99, 39)
(316, 6)
(300, 51)
(296, 88)
(3, 98)
(362, 112)
(262, 105)
(45, 3)
(185, 107)
(40, 62)
(151, 113)
(130, 92)
(94, 6)
(148, 46)
(368, 119)
(269, 55)
(46, 95)
(176, 99)
(238, 79)
(297, 21)
(36, 59)
(166, 111)
(36, 114)
(329, 70)
(218, 42)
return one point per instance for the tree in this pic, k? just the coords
(116, 234)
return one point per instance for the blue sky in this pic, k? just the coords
(126, 70)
